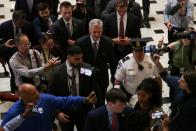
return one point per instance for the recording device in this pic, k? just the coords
(80, 4)
(150, 49)
(191, 35)
(37, 109)
(87, 69)
(157, 115)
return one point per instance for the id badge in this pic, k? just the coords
(181, 70)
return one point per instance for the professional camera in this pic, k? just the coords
(151, 49)
(185, 35)
(81, 4)
(178, 34)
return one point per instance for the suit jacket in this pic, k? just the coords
(41, 26)
(61, 35)
(97, 120)
(7, 32)
(105, 55)
(91, 4)
(132, 30)
(23, 5)
(133, 8)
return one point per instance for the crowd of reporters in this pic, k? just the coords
(70, 56)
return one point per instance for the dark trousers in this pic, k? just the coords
(146, 9)
(77, 117)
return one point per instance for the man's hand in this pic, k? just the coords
(62, 117)
(165, 123)
(71, 42)
(28, 110)
(121, 41)
(9, 43)
(52, 62)
(155, 58)
(169, 26)
(91, 99)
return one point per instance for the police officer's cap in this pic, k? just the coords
(138, 45)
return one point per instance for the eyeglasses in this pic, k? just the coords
(24, 45)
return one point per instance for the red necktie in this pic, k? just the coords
(114, 122)
(121, 30)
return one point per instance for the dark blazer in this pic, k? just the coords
(133, 8)
(97, 120)
(91, 4)
(59, 86)
(105, 55)
(41, 26)
(132, 31)
(23, 5)
(61, 35)
(7, 32)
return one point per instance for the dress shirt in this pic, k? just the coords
(176, 19)
(20, 65)
(70, 25)
(13, 123)
(69, 72)
(93, 41)
(124, 22)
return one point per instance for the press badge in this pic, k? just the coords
(85, 71)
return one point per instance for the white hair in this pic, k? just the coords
(94, 22)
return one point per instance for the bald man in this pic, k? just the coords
(44, 108)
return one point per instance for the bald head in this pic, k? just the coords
(28, 93)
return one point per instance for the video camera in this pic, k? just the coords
(191, 35)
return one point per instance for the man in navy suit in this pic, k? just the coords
(110, 117)
(67, 29)
(44, 21)
(98, 55)
(28, 7)
(122, 26)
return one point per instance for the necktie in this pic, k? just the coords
(121, 30)
(68, 30)
(95, 49)
(73, 83)
(30, 4)
(114, 122)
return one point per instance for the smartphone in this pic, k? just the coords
(157, 115)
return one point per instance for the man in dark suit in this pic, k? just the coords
(109, 117)
(28, 7)
(44, 21)
(68, 79)
(67, 29)
(133, 8)
(84, 13)
(122, 26)
(98, 51)
(8, 30)
(97, 5)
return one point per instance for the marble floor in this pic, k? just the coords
(156, 31)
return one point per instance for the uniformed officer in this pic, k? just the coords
(134, 68)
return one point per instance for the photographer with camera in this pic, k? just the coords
(183, 108)
(177, 14)
(84, 13)
(134, 68)
(183, 49)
